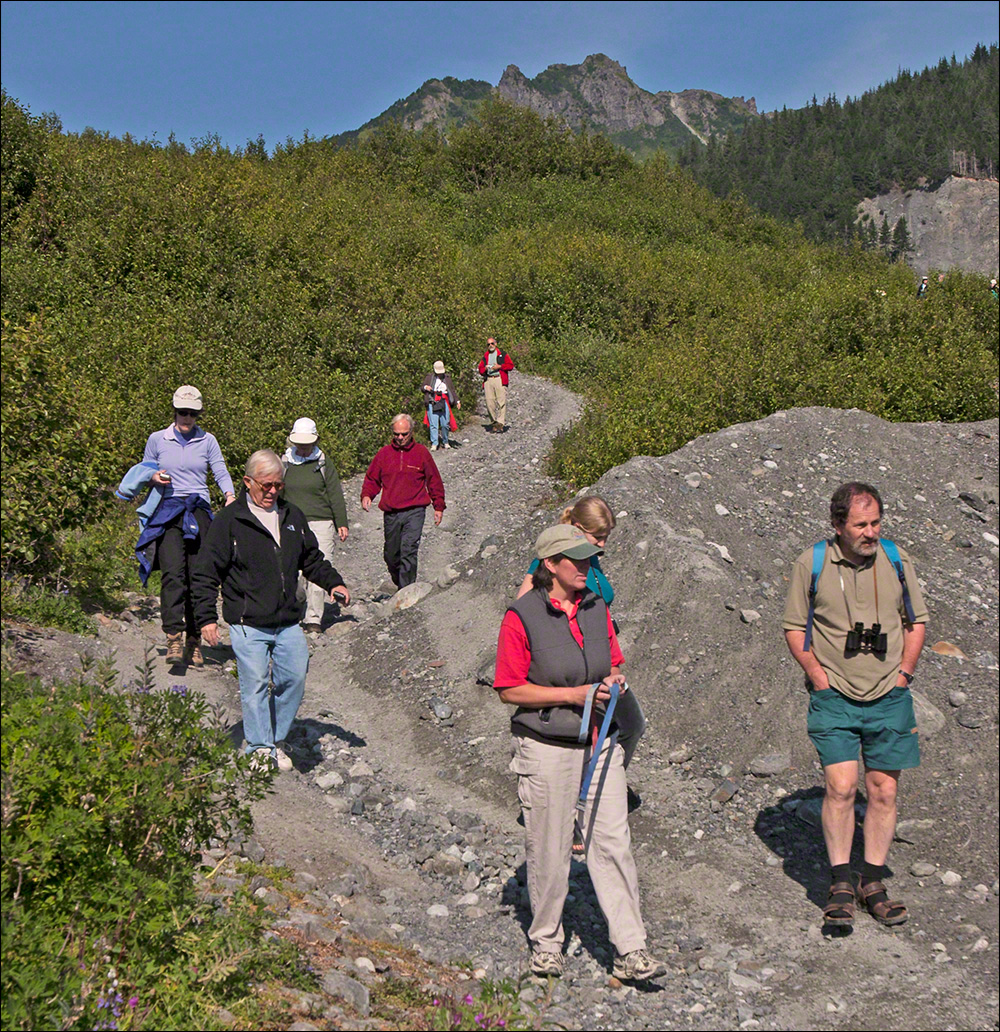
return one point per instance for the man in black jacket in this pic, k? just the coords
(255, 549)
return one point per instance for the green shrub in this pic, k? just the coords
(107, 795)
(24, 602)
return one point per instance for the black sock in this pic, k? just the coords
(841, 873)
(873, 873)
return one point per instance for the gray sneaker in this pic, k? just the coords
(637, 966)
(546, 965)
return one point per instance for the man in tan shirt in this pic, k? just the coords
(865, 637)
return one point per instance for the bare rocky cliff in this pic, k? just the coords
(597, 94)
(956, 225)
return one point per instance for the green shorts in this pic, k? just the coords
(885, 729)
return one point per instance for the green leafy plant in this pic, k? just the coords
(107, 794)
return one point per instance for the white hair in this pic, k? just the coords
(400, 418)
(264, 461)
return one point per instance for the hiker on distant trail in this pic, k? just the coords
(408, 478)
(994, 292)
(312, 484)
(177, 514)
(439, 400)
(593, 516)
(494, 368)
(854, 621)
(922, 289)
(558, 655)
(255, 551)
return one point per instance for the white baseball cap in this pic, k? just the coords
(188, 397)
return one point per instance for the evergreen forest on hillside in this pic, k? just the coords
(814, 164)
(324, 281)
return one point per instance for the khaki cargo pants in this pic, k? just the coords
(548, 785)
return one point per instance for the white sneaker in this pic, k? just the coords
(637, 966)
(434, 447)
(446, 446)
(261, 760)
(284, 760)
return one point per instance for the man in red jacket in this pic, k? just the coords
(494, 368)
(409, 481)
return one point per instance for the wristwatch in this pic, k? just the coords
(909, 678)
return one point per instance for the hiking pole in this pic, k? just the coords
(588, 774)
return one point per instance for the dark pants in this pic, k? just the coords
(176, 557)
(403, 528)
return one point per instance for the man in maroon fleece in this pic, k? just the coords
(409, 481)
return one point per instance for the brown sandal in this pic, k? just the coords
(883, 910)
(839, 913)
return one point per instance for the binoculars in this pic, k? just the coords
(870, 638)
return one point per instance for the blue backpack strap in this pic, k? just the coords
(819, 557)
(892, 554)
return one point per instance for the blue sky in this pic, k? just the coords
(278, 69)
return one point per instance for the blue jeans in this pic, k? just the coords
(437, 423)
(266, 655)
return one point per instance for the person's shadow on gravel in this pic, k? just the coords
(582, 918)
(300, 739)
(793, 830)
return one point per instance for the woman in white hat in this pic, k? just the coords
(181, 455)
(439, 399)
(312, 484)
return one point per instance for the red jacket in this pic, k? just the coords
(504, 363)
(407, 477)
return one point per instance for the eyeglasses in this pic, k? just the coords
(270, 485)
(405, 433)
(186, 412)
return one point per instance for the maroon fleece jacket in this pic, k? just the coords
(407, 477)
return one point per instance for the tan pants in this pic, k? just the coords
(548, 784)
(496, 399)
(326, 536)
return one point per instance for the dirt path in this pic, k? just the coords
(401, 794)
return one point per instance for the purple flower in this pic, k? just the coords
(133, 1002)
(179, 689)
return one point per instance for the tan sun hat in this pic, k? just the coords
(564, 539)
(304, 431)
(439, 367)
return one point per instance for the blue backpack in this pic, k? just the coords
(819, 557)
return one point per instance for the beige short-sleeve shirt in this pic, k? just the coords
(846, 594)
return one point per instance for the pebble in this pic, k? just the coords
(951, 878)
(981, 944)
(957, 698)
(681, 754)
(437, 910)
(922, 869)
(365, 964)
(331, 779)
(749, 616)
(721, 509)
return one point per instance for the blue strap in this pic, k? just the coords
(819, 557)
(588, 708)
(588, 774)
(892, 554)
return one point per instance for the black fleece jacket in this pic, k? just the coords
(259, 579)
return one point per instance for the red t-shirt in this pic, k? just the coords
(514, 656)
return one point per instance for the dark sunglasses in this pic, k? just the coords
(187, 412)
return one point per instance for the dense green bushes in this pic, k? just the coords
(108, 794)
(324, 282)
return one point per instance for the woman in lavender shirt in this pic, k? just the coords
(183, 454)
